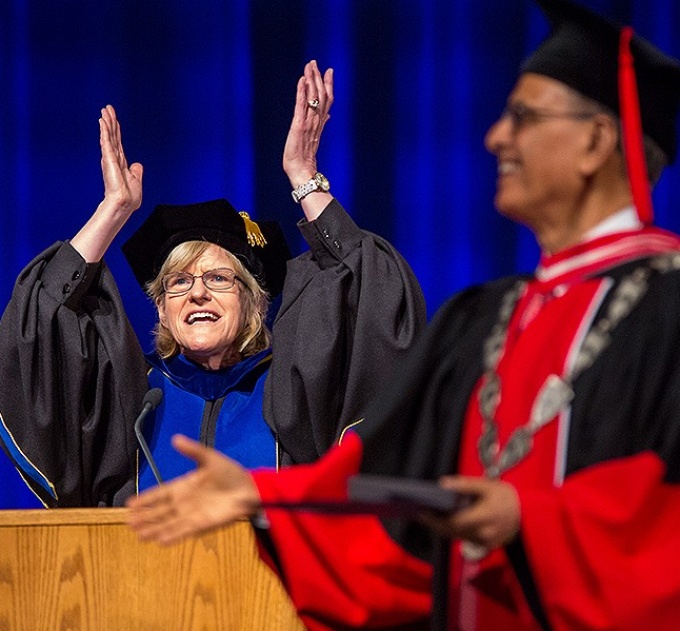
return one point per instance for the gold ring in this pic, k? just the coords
(313, 103)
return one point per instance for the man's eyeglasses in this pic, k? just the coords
(221, 279)
(521, 115)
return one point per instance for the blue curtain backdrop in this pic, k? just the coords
(204, 90)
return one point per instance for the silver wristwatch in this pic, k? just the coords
(318, 183)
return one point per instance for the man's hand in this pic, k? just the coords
(216, 494)
(492, 520)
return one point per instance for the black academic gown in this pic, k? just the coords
(73, 375)
(351, 309)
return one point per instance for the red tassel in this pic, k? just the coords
(632, 131)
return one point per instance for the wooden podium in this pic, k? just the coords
(85, 570)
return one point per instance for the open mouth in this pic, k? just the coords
(201, 316)
(507, 167)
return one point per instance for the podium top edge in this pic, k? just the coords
(62, 516)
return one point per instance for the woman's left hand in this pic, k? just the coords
(312, 103)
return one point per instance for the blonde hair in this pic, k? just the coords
(253, 337)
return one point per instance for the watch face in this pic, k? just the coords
(317, 183)
(322, 181)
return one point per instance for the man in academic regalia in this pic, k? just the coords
(554, 399)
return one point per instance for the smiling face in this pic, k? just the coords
(205, 323)
(540, 158)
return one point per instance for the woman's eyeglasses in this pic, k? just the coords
(215, 279)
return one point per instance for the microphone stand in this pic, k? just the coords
(151, 401)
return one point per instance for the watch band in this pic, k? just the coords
(318, 183)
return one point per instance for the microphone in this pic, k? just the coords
(151, 401)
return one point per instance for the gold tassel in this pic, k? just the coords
(253, 232)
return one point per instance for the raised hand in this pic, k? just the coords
(122, 192)
(216, 494)
(122, 183)
(312, 103)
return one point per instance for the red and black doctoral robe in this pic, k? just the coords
(599, 492)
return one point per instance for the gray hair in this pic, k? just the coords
(655, 157)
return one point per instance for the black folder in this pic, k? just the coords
(398, 498)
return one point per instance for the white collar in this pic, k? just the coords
(620, 221)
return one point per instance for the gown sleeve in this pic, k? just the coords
(342, 572)
(356, 572)
(73, 377)
(603, 548)
(351, 308)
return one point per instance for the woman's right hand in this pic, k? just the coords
(218, 493)
(122, 192)
(122, 183)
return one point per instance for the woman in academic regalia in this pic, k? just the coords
(74, 376)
